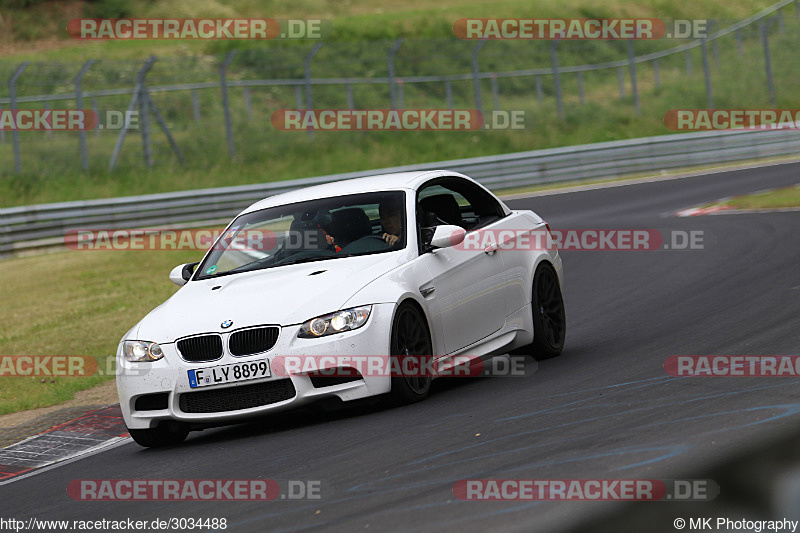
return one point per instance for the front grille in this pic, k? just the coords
(238, 397)
(204, 348)
(152, 402)
(250, 341)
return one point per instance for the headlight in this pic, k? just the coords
(337, 322)
(141, 351)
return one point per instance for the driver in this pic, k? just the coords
(392, 222)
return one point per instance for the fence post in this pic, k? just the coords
(49, 132)
(2, 132)
(580, 88)
(307, 69)
(247, 100)
(476, 80)
(390, 64)
(656, 73)
(195, 106)
(707, 72)
(781, 27)
(223, 82)
(350, 104)
(539, 92)
(12, 89)
(764, 27)
(632, 68)
(448, 89)
(139, 82)
(739, 41)
(79, 99)
(96, 110)
(298, 96)
(401, 100)
(144, 125)
(495, 92)
(556, 79)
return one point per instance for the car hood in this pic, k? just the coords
(281, 295)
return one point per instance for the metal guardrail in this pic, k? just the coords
(45, 224)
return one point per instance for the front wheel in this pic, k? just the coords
(549, 318)
(410, 339)
(165, 434)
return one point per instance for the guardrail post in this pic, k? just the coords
(79, 99)
(12, 89)
(764, 27)
(632, 68)
(390, 65)
(656, 73)
(136, 93)
(580, 88)
(476, 80)
(225, 106)
(195, 106)
(707, 72)
(556, 79)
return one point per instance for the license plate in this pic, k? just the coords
(217, 375)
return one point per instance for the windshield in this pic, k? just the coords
(327, 228)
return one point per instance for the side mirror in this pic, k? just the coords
(182, 273)
(447, 235)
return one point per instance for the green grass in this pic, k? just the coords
(51, 166)
(76, 303)
(774, 199)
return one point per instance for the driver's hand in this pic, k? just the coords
(390, 239)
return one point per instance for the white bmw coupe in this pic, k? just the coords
(416, 263)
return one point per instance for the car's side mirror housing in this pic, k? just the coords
(182, 273)
(447, 235)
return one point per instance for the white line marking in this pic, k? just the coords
(651, 179)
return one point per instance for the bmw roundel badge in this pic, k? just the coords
(226, 324)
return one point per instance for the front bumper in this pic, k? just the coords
(163, 392)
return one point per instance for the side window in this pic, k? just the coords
(457, 202)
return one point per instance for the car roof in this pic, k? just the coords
(381, 182)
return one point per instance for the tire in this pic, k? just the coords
(410, 336)
(165, 434)
(549, 318)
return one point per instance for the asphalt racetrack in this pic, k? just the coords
(605, 409)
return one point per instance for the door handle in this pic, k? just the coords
(491, 249)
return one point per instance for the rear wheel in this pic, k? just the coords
(165, 434)
(549, 318)
(410, 339)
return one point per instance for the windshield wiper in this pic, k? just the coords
(304, 260)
